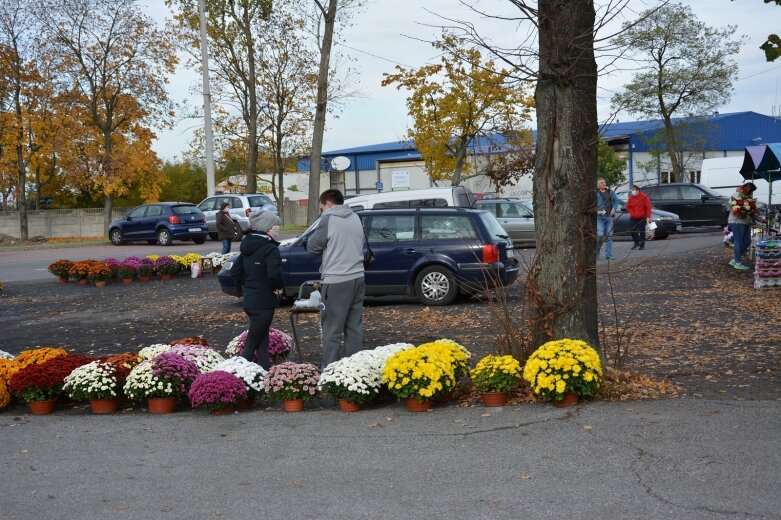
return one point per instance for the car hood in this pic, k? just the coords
(657, 213)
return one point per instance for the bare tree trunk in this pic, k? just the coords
(320, 111)
(252, 119)
(669, 135)
(561, 284)
(460, 154)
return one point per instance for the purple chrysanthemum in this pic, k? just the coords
(216, 390)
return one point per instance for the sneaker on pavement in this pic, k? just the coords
(610, 257)
(732, 262)
(741, 267)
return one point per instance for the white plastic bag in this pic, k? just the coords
(195, 269)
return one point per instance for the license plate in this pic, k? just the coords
(510, 253)
(195, 230)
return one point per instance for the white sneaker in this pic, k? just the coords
(732, 262)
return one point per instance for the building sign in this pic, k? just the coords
(399, 180)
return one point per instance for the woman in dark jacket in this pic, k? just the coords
(262, 283)
(224, 224)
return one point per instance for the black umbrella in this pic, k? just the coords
(763, 162)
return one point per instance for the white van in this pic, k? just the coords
(458, 196)
(722, 174)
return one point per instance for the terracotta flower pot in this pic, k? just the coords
(104, 405)
(293, 405)
(83, 281)
(62, 279)
(349, 406)
(569, 399)
(494, 398)
(222, 411)
(42, 407)
(100, 283)
(413, 405)
(142, 278)
(127, 281)
(162, 404)
(165, 276)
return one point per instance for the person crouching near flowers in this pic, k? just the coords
(742, 215)
(263, 284)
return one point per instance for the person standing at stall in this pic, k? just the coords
(607, 202)
(224, 224)
(639, 207)
(743, 213)
(339, 238)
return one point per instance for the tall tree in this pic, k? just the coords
(236, 31)
(454, 102)
(610, 166)
(687, 68)
(118, 62)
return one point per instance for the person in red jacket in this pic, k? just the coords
(639, 208)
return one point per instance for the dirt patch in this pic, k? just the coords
(694, 321)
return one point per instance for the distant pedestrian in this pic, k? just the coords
(263, 283)
(742, 215)
(225, 227)
(340, 238)
(639, 207)
(607, 202)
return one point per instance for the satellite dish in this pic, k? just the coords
(340, 163)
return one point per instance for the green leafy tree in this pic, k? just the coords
(686, 68)
(455, 101)
(610, 166)
(185, 181)
(772, 45)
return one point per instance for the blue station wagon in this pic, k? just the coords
(431, 254)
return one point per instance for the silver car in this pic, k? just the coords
(241, 205)
(515, 216)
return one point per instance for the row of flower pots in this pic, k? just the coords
(190, 370)
(125, 271)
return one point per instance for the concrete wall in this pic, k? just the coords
(88, 222)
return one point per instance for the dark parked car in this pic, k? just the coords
(429, 253)
(161, 222)
(697, 205)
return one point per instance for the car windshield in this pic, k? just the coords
(257, 201)
(493, 225)
(185, 210)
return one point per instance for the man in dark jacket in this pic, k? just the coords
(339, 237)
(263, 284)
(224, 224)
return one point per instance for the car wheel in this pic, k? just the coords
(199, 241)
(237, 233)
(115, 236)
(164, 237)
(213, 236)
(436, 285)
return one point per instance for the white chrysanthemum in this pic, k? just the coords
(6, 355)
(142, 383)
(153, 350)
(362, 372)
(251, 373)
(204, 357)
(93, 380)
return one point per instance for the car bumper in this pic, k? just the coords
(189, 231)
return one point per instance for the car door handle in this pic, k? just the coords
(410, 251)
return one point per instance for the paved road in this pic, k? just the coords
(28, 265)
(673, 459)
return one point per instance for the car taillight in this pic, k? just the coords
(490, 253)
(247, 212)
(173, 219)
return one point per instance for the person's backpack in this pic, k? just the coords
(232, 276)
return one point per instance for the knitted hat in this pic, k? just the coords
(263, 220)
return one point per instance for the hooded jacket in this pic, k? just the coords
(639, 206)
(262, 271)
(339, 237)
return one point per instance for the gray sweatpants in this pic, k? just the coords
(341, 316)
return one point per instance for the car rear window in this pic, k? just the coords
(257, 201)
(447, 227)
(495, 229)
(185, 210)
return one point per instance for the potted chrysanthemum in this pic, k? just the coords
(61, 269)
(252, 374)
(453, 353)
(146, 268)
(162, 381)
(217, 391)
(100, 273)
(279, 344)
(564, 370)
(80, 271)
(419, 375)
(292, 383)
(167, 267)
(40, 384)
(352, 380)
(205, 358)
(495, 376)
(97, 382)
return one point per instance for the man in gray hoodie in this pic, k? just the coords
(340, 238)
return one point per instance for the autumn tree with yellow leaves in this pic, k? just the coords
(454, 102)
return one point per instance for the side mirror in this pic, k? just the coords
(703, 198)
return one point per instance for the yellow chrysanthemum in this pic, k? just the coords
(562, 366)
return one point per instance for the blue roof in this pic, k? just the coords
(731, 131)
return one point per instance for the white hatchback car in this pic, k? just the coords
(241, 205)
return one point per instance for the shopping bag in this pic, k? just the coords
(195, 269)
(650, 230)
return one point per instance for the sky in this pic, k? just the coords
(389, 32)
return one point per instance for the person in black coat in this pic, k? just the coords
(263, 285)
